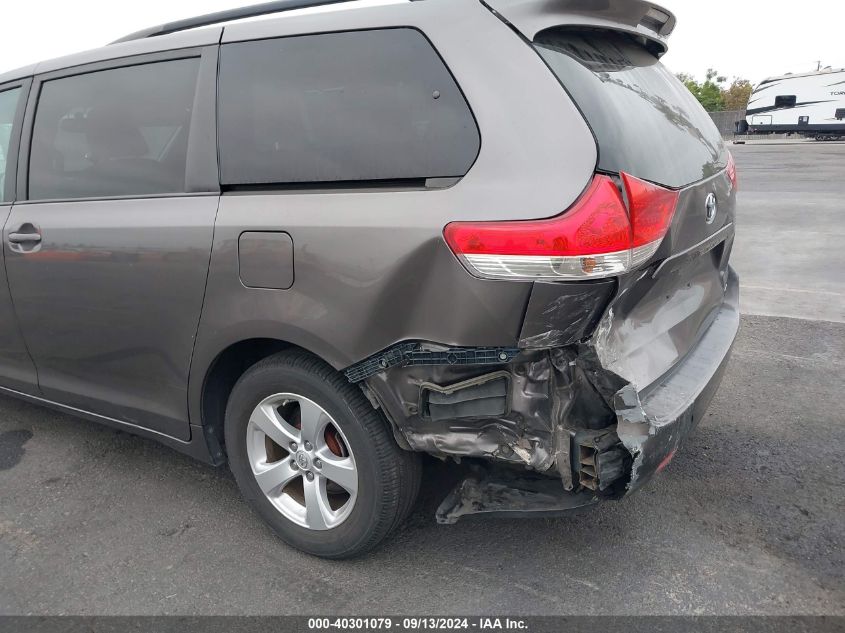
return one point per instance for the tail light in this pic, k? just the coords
(596, 237)
(652, 209)
(732, 172)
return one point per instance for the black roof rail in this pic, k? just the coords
(250, 11)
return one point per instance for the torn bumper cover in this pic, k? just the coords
(653, 424)
(572, 412)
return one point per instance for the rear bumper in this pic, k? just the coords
(613, 461)
(616, 460)
(575, 413)
(654, 423)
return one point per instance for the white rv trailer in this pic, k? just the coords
(812, 104)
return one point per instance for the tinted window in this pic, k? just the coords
(8, 107)
(364, 105)
(646, 121)
(119, 132)
(785, 101)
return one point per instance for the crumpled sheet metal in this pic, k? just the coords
(522, 436)
(551, 393)
(593, 384)
(653, 429)
(546, 389)
(509, 497)
(559, 314)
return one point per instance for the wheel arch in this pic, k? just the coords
(213, 385)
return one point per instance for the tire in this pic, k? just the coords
(300, 388)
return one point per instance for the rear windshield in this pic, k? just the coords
(645, 120)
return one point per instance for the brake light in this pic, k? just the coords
(652, 209)
(731, 169)
(596, 237)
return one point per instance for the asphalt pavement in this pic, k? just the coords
(747, 519)
(790, 230)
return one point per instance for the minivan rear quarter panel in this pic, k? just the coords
(371, 266)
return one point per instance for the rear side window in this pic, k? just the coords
(785, 101)
(117, 132)
(645, 120)
(8, 107)
(355, 106)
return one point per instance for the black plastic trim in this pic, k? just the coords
(10, 188)
(414, 353)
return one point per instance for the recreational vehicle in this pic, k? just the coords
(811, 104)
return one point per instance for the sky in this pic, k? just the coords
(739, 38)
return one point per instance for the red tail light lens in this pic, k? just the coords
(596, 223)
(652, 209)
(596, 237)
(731, 169)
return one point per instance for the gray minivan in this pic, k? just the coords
(318, 246)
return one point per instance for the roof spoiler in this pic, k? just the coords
(251, 11)
(638, 17)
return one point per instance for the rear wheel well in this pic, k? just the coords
(225, 371)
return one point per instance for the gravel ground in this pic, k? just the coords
(746, 520)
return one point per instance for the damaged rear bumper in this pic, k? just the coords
(653, 424)
(536, 414)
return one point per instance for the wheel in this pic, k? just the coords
(314, 459)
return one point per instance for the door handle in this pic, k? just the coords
(24, 238)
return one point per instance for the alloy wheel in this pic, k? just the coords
(302, 462)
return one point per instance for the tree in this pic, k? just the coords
(713, 96)
(736, 95)
(709, 93)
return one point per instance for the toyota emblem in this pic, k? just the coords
(711, 207)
